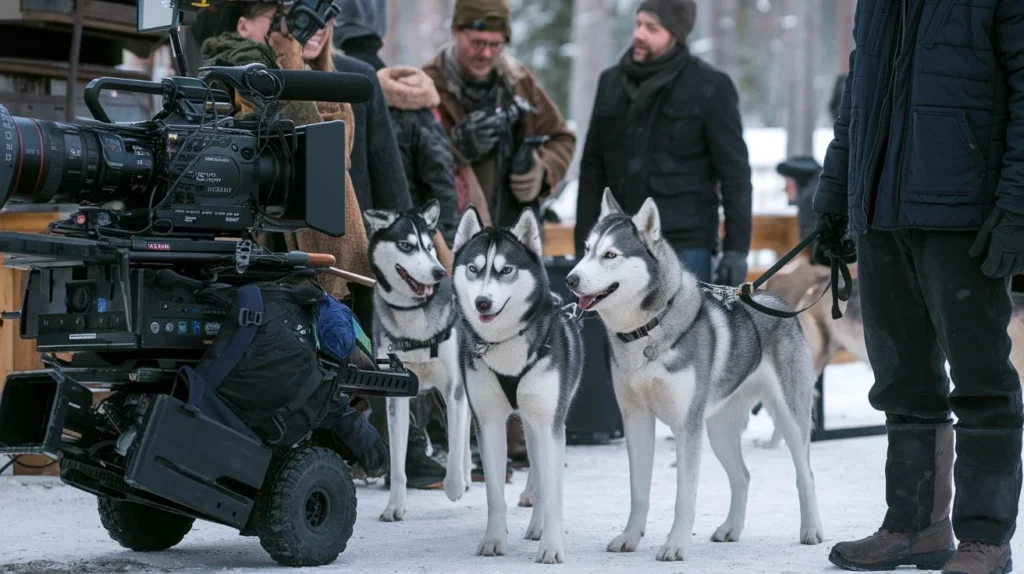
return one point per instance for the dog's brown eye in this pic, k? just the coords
(610, 255)
(471, 268)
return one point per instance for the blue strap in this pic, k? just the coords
(250, 317)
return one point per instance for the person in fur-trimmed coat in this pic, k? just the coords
(426, 152)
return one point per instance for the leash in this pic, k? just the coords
(838, 264)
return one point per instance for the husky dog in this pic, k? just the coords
(413, 317)
(517, 352)
(692, 357)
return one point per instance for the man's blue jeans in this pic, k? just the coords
(697, 260)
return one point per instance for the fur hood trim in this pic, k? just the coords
(408, 88)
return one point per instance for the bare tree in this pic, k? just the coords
(591, 28)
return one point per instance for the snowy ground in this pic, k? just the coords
(48, 527)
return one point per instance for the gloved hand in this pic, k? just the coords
(376, 460)
(732, 269)
(477, 134)
(1001, 238)
(526, 186)
(833, 243)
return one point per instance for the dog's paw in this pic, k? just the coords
(550, 554)
(671, 552)
(491, 546)
(625, 542)
(770, 444)
(535, 529)
(726, 533)
(454, 487)
(526, 499)
(811, 535)
(392, 514)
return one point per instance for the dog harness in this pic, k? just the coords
(510, 383)
(413, 345)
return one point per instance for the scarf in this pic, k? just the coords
(473, 94)
(643, 79)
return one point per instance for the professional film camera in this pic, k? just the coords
(140, 280)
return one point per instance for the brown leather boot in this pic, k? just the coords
(929, 549)
(980, 558)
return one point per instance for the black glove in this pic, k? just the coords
(376, 460)
(832, 242)
(1001, 238)
(732, 269)
(477, 134)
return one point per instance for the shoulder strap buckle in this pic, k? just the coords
(249, 318)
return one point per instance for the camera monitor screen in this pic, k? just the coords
(156, 15)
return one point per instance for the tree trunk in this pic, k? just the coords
(591, 27)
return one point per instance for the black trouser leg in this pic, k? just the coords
(910, 386)
(971, 313)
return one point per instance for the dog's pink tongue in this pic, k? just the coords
(428, 290)
(586, 301)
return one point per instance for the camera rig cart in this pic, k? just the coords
(167, 205)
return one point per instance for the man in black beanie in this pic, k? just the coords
(667, 125)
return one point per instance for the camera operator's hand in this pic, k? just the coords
(1001, 239)
(477, 134)
(526, 186)
(376, 460)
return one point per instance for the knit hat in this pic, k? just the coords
(677, 16)
(489, 15)
(358, 18)
(802, 168)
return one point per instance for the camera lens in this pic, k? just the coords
(43, 161)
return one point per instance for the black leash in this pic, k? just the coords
(839, 267)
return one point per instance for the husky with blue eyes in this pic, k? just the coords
(517, 352)
(414, 317)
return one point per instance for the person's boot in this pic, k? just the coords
(421, 471)
(918, 490)
(988, 486)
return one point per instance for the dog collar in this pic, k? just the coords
(646, 329)
(412, 345)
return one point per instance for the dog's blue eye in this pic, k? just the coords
(405, 246)
(506, 270)
(471, 268)
(610, 255)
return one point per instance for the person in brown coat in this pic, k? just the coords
(491, 105)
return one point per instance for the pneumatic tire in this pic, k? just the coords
(308, 508)
(142, 528)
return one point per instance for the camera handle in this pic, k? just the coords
(99, 85)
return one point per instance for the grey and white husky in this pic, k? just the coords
(413, 317)
(693, 360)
(518, 352)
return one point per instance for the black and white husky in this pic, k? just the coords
(413, 317)
(693, 357)
(517, 352)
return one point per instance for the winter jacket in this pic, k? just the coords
(948, 144)
(350, 250)
(682, 147)
(376, 162)
(555, 153)
(426, 150)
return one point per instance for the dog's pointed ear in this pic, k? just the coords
(648, 222)
(608, 204)
(431, 213)
(468, 227)
(527, 231)
(378, 219)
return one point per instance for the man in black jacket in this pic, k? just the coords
(667, 125)
(926, 171)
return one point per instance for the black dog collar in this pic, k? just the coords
(646, 329)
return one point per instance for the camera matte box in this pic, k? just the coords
(37, 409)
(190, 459)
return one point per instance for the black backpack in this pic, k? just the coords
(263, 363)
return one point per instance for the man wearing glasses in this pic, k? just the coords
(500, 120)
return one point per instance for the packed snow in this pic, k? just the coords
(49, 527)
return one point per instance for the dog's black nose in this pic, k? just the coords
(483, 304)
(573, 281)
(438, 274)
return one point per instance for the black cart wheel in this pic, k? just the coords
(308, 510)
(142, 528)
